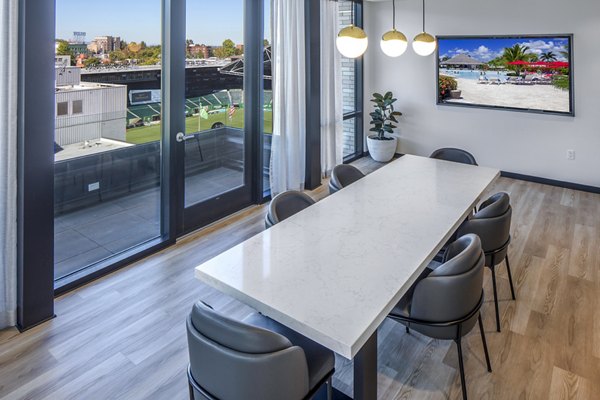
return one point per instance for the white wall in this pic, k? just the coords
(518, 142)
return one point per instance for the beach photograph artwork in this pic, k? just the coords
(529, 73)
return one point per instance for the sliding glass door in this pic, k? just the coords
(162, 124)
(217, 145)
(107, 137)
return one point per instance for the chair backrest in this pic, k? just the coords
(343, 175)
(233, 360)
(455, 155)
(453, 290)
(492, 224)
(286, 204)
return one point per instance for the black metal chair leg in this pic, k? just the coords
(485, 348)
(329, 389)
(191, 390)
(512, 289)
(496, 299)
(462, 368)
(407, 329)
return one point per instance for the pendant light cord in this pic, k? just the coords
(394, 12)
(423, 15)
(352, 12)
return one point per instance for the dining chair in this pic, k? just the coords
(455, 155)
(286, 204)
(444, 303)
(255, 358)
(343, 175)
(492, 224)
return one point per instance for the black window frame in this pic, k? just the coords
(37, 114)
(358, 113)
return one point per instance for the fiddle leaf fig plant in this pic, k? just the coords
(384, 115)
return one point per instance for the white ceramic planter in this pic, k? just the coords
(381, 150)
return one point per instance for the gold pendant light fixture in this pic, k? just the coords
(424, 44)
(393, 43)
(352, 41)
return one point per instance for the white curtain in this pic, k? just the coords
(288, 148)
(331, 89)
(8, 161)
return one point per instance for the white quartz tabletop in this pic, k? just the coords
(335, 270)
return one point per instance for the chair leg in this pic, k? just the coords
(496, 298)
(462, 368)
(191, 390)
(407, 329)
(329, 388)
(512, 289)
(485, 348)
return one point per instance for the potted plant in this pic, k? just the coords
(381, 147)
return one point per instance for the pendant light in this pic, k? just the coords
(393, 43)
(424, 44)
(352, 41)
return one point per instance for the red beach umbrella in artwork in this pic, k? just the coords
(558, 64)
(518, 62)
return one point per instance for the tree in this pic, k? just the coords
(134, 48)
(117, 55)
(516, 53)
(226, 50)
(91, 62)
(266, 43)
(63, 49)
(548, 56)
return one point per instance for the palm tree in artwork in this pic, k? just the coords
(516, 53)
(548, 56)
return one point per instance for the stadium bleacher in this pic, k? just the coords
(149, 112)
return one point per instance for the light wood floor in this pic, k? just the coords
(123, 337)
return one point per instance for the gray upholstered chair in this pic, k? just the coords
(286, 204)
(455, 155)
(492, 224)
(343, 175)
(256, 358)
(444, 303)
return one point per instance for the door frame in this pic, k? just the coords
(201, 214)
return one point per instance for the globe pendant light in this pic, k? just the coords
(352, 41)
(424, 44)
(393, 43)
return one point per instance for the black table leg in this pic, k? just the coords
(365, 371)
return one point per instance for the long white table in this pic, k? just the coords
(335, 270)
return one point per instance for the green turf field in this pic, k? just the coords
(145, 134)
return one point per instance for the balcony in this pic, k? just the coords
(108, 202)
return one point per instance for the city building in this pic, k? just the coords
(88, 111)
(78, 48)
(104, 44)
(202, 50)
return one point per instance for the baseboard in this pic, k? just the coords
(551, 182)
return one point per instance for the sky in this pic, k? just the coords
(208, 21)
(487, 49)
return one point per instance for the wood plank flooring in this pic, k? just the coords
(123, 336)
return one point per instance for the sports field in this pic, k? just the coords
(145, 134)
